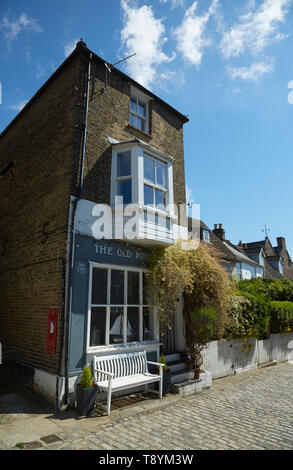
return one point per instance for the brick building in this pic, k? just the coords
(88, 135)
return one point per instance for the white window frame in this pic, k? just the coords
(108, 305)
(205, 233)
(142, 98)
(137, 176)
(143, 117)
(155, 185)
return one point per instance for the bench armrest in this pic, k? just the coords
(160, 364)
(104, 372)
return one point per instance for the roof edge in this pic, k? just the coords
(85, 51)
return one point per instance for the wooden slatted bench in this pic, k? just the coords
(124, 371)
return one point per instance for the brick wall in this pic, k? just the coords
(34, 205)
(109, 116)
(45, 141)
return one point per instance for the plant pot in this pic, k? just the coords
(189, 365)
(85, 399)
(197, 374)
(166, 382)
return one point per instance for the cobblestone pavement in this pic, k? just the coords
(253, 410)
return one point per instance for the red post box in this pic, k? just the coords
(52, 330)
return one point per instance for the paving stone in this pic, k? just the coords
(32, 445)
(50, 439)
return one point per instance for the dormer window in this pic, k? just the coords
(206, 235)
(138, 114)
(139, 110)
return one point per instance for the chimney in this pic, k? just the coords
(220, 232)
(281, 243)
(240, 243)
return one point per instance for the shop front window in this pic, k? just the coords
(119, 311)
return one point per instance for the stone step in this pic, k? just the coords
(191, 386)
(176, 366)
(173, 357)
(182, 375)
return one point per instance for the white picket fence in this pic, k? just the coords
(223, 358)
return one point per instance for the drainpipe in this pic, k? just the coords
(70, 261)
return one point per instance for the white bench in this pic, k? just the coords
(124, 371)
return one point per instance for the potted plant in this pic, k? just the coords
(200, 329)
(189, 361)
(86, 392)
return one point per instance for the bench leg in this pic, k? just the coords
(109, 397)
(146, 389)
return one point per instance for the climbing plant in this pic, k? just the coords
(193, 273)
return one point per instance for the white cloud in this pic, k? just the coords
(252, 73)
(18, 106)
(11, 29)
(69, 47)
(143, 34)
(190, 34)
(174, 3)
(256, 29)
(41, 71)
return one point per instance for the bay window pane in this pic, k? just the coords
(124, 190)
(124, 164)
(148, 195)
(99, 286)
(98, 326)
(132, 324)
(161, 174)
(133, 288)
(149, 169)
(160, 198)
(117, 287)
(116, 325)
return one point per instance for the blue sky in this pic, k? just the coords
(226, 64)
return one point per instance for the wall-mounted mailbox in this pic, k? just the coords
(52, 330)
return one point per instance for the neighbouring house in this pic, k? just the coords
(90, 136)
(234, 260)
(249, 260)
(276, 260)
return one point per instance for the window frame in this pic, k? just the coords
(137, 176)
(144, 118)
(155, 186)
(109, 305)
(206, 233)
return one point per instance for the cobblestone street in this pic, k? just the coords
(253, 410)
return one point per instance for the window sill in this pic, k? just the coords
(122, 347)
(143, 133)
